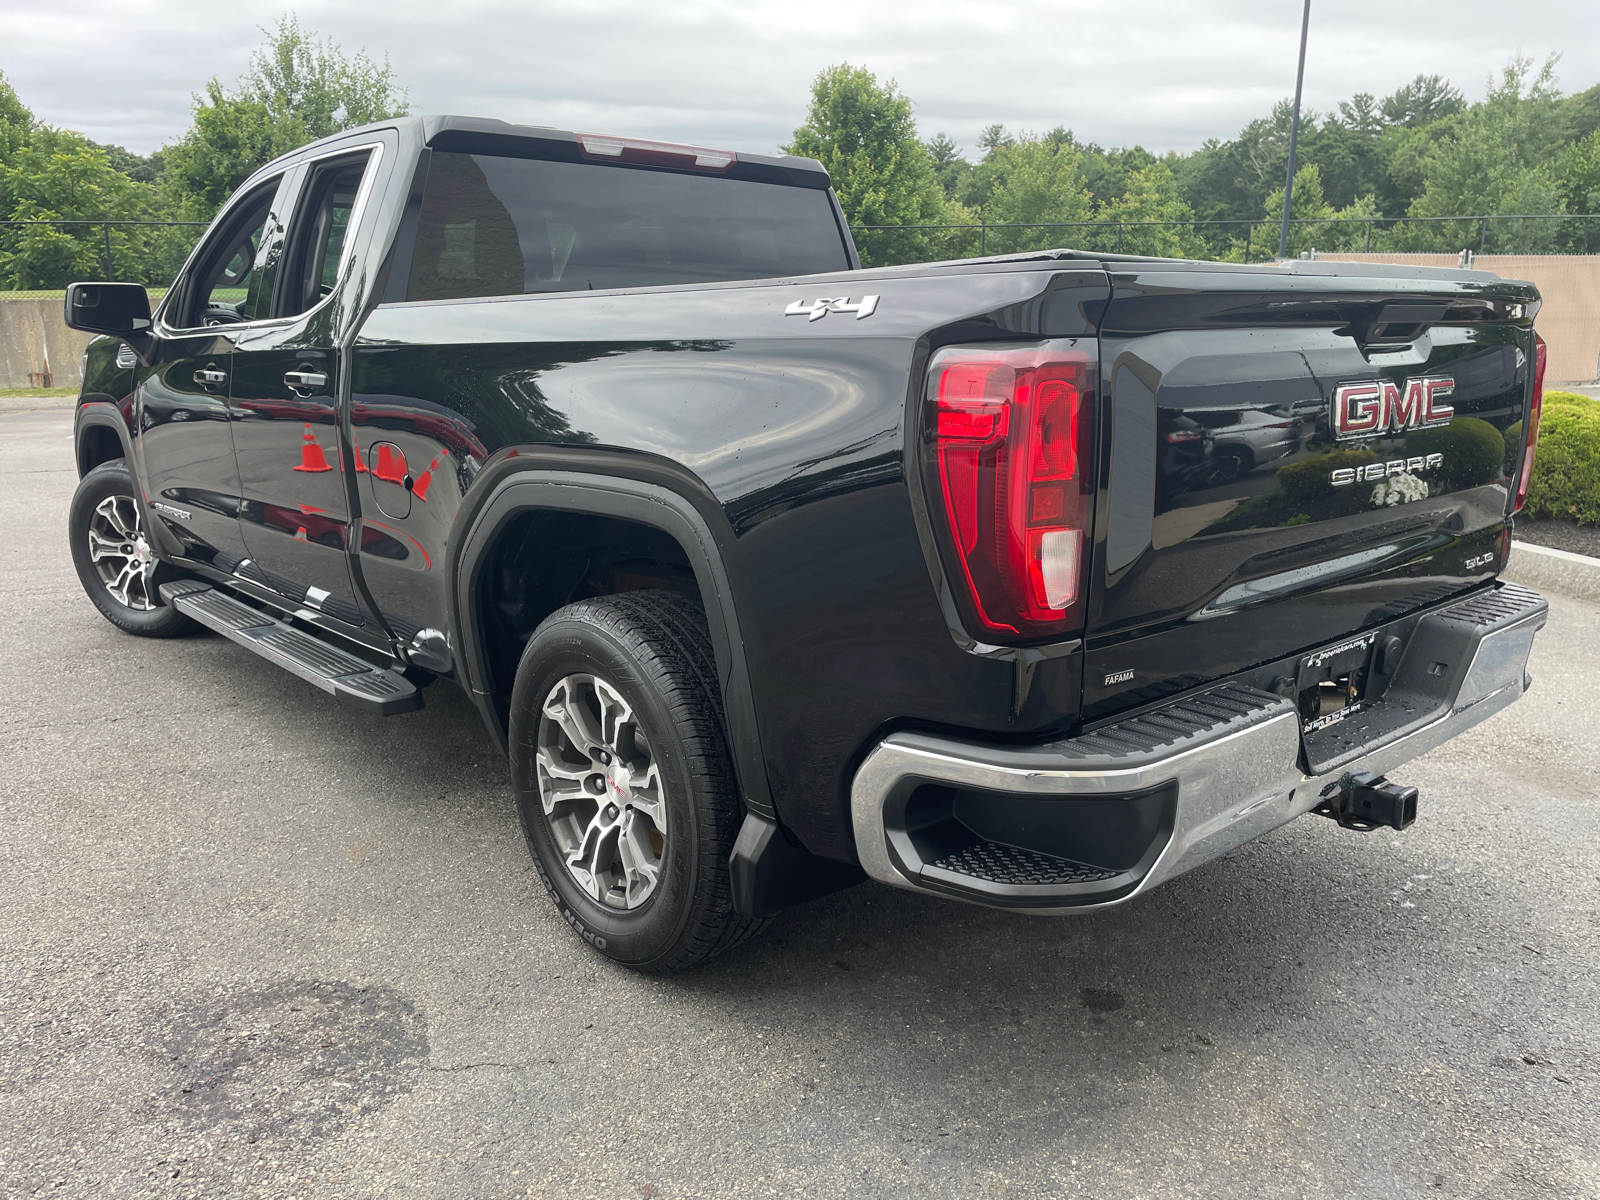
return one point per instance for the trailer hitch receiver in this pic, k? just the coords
(1365, 802)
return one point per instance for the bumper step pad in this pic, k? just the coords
(349, 679)
(996, 862)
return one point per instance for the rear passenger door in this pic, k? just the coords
(295, 510)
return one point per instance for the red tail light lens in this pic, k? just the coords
(1010, 443)
(1530, 426)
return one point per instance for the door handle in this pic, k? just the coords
(305, 380)
(210, 377)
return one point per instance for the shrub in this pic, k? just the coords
(1473, 449)
(1566, 466)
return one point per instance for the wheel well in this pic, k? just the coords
(547, 558)
(98, 445)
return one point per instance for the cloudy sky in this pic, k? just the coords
(1164, 73)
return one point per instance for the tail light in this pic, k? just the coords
(1010, 440)
(1530, 427)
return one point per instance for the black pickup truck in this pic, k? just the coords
(1027, 581)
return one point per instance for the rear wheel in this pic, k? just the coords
(624, 785)
(115, 561)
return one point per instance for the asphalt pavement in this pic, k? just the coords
(254, 944)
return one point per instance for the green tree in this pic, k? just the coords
(58, 175)
(865, 135)
(1152, 194)
(1578, 175)
(1036, 180)
(1426, 99)
(16, 121)
(949, 167)
(297, 89)
(1498, 158)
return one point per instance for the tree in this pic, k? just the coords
(1426, 99)
(866, 137)
(1497, 159)
(297, 89)
(314, 86)
(1151, 194)
(58, 175)
(230, 138)
(949, 167)
(1036, 180)
(16, 121)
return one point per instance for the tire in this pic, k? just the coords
(631, 835)
(103, 505)
(1228, 465)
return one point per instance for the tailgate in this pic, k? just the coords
(1294, 454)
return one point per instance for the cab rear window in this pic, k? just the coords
(499, 226)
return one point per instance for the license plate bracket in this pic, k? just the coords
(1331, 683)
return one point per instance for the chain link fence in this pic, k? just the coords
(49, 254)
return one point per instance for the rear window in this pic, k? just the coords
(495, 226)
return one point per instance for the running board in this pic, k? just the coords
(351, 680)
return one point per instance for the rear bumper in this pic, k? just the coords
(1098, 819)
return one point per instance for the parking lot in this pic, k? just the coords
(257, 944)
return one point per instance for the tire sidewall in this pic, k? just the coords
(113, 479)
(566, 646)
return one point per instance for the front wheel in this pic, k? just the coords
(624, 785)
(116, 563)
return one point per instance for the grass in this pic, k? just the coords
(7, 393)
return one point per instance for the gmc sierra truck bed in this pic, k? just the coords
(1027, 581)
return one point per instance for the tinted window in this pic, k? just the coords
(232, 278)
(324, 217)
(493, 226)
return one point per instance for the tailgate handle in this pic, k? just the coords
(1398, 322)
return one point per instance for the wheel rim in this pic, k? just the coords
(121, 553)
(601, 791)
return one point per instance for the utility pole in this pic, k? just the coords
(1294, 133)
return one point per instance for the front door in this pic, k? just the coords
(183, 424)
(285, 386)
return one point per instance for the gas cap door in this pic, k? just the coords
(391, 480)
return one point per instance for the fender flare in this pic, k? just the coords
(99, 413)
(628, 499)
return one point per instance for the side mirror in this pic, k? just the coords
(121, 310)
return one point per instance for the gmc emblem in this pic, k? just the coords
(1369, 409)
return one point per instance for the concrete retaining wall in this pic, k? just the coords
(35, 343)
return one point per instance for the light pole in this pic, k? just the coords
(1294, 133)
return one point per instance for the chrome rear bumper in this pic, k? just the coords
(1233, 753)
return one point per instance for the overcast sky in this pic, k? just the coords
(1163, 73)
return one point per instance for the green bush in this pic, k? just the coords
(1304, 493)
(1473, 449)
(1306, 485)
(1566, 466)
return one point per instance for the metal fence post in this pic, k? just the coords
(107, 228)
(983, 235)
(1483, 236)
(1369, 235)
(1119, 237)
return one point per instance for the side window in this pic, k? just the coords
(316, 250)
(233, 275)
(492, 225)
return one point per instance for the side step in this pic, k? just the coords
(347, 678)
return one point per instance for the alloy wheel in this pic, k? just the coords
(121, 553)
(601, 791)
